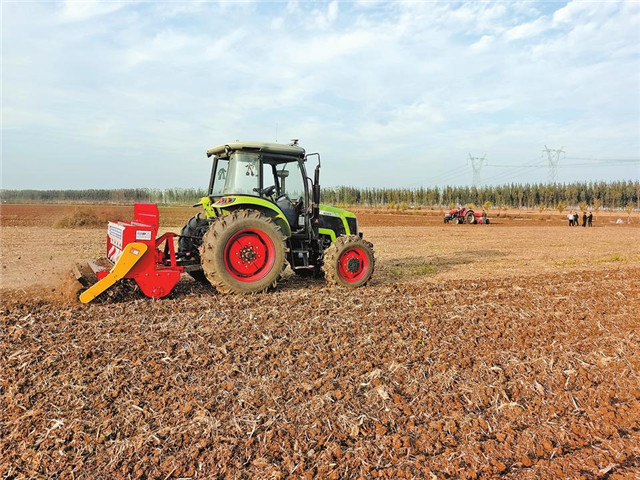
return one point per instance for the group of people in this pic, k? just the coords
(574, 219)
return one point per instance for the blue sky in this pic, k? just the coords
(131, 94)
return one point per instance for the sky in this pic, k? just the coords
(391, 94)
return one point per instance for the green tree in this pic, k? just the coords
(628, 208)
(596, 206)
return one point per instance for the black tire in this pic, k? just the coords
(190, 241)
(191, 236)
(457, 221)
(356, 268)
(469, 217)
(231, 261)
(199, 276)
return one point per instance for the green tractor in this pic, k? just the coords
(261, 212)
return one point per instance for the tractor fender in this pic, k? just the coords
(231, 203)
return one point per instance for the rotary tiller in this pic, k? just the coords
(133, 251)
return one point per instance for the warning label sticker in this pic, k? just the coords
(143, 235)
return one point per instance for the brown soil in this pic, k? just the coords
(476, 352)
(32, 252)
(524, 379)
(176, 216)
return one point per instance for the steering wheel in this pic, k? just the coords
(269, 191)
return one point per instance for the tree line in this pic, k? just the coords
(611, 195)
(122, 195)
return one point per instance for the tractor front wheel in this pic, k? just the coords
(349, 261)
(243, 252)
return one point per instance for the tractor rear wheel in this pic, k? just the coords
(243, 252)
(190, 241)
(470, 217)
(349, 261)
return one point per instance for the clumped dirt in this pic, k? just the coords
(82, 217)
(533, 377)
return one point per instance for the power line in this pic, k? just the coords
(590, 164)
(623, 160)
(450, 175)
(515, 166)
(456, 174)
(516, 171)
(513, 171)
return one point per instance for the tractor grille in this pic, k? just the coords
(352, 223)
(332, 223)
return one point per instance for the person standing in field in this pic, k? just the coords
(584, 219)
(590, 219)
(570, 217)
(575, 219)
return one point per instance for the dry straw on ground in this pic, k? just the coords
(80, 218)
(530, 378)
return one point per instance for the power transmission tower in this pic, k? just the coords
(476, 164)
(553, 157)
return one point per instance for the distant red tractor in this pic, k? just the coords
(466, 215)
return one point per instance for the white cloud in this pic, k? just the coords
(157, 48)
(526, 30)
(356, 82)
(83, 10)
(319, 51)
(332, 11)
(571, 12)
(483, 43)
(324, 20)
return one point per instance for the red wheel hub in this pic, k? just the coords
(249, 255)
(353, 264)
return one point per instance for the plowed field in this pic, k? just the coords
(476, 352)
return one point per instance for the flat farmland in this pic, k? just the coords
(510, 350)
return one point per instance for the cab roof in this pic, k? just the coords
(274, 148)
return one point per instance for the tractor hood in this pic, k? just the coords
(274, 148)
(335, 212)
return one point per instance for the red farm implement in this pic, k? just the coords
(133, 251)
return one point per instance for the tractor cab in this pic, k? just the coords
(273, 173)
